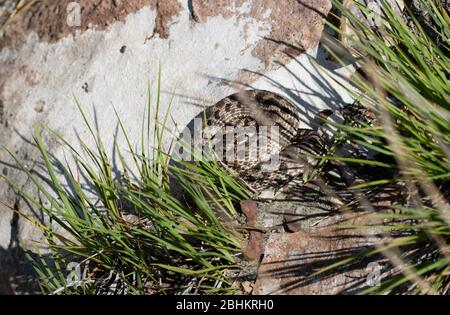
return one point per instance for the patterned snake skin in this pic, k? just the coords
(294, 147)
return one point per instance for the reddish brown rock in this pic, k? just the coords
(289, 37)
(257, 238)
(373, 20)
(48, 18)
(290, 260)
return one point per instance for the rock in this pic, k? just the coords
(294, 38)
(256, 235)
(290, 260)
(303, 209)
(54, 20)
(322, 238)
(247, 286)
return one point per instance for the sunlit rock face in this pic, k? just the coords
(105, 52)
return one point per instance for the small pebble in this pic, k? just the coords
(248, 287)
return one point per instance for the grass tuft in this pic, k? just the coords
(130, 234)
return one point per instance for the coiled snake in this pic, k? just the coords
(237, 122)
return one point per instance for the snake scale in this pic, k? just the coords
(294, 148)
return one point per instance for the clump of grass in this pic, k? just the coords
(406, 85)
(130, 234)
